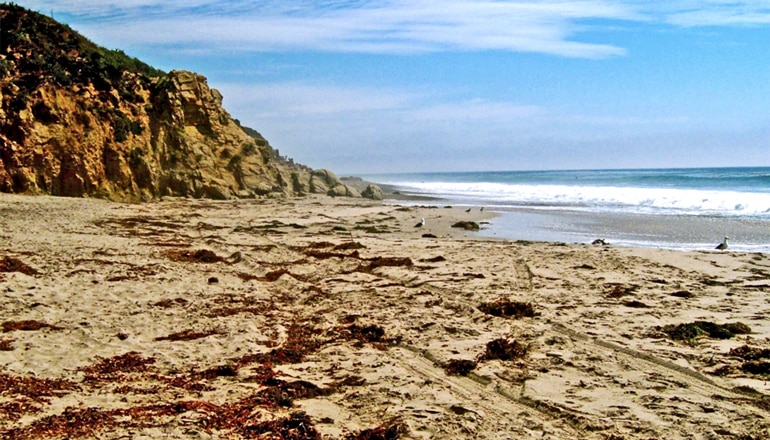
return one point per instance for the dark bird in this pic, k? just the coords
(723, 245)
(468, 210)
(421, 224)
(482, 208)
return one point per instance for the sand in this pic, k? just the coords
(337, 318)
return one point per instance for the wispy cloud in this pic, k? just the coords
(395, 26)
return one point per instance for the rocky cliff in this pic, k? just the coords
(77, 119)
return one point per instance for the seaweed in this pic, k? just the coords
(195, 256)
(756, 367)
(686, 294)
(187, 335)
(749, 353)
(298, 426)
(460, 367)
(376, 262)
(506, 308)
(354, 245)
(27, 325)
(6, 344)
(690, 331)
(131, 362)
(11, 264)
(34, 388)
(504, 350)
(390, 431)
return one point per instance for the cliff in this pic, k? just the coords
(79, 120)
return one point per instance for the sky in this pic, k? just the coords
(392, 86)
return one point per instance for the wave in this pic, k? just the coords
(598, 198)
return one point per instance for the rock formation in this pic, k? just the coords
(79, 120)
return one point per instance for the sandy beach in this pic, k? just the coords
(337, 318)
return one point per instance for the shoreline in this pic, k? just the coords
(209, 319)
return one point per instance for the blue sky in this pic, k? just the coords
(365, 86)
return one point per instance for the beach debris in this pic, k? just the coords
(460, 367)
(213, 280)
(429, 235)
(756, 367)
(376, 262)
(298, 426)
(195, 256)
(352, 245)
(749, 353)
(35, 388)
(690, 331)
(27, 325)
(600, 242)
(683, 294)
(636, 304)
(506, 308)
(436, 259)
(503, 349)
(390, 431)
(467, 225)
(131, 362)
(620, 290)
(6, 344)
(187, 335)
(166, 303)
(11, 264)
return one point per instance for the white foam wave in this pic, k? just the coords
(600, 198)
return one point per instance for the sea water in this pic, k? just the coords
(671, 208)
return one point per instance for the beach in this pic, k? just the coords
(337, 318)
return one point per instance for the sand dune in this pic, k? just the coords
(336, 318)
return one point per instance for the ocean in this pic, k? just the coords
(687, 209)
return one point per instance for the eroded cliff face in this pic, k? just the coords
(78, 120)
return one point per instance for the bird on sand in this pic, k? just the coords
(723, 245)
(468, 210)
(420, 224)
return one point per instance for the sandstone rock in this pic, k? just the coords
(373, 192)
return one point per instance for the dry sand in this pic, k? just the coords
(336, 318)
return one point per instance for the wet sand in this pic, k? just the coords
(337, 318)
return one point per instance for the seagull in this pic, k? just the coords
(723, 245)
(468, 210)
(421, 224)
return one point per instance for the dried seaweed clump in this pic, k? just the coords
(504, 350)
(460, 367)
(298, 426)
(131, 362)
(690, 331)
(367, 333)
(390, 431)
(196, 256)
(6, 344)
(752, 356)
(749, 353)
(376, 262)
(10, 264)
(187, 335)
(27, 325)
(32, 387)
(506, 308)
